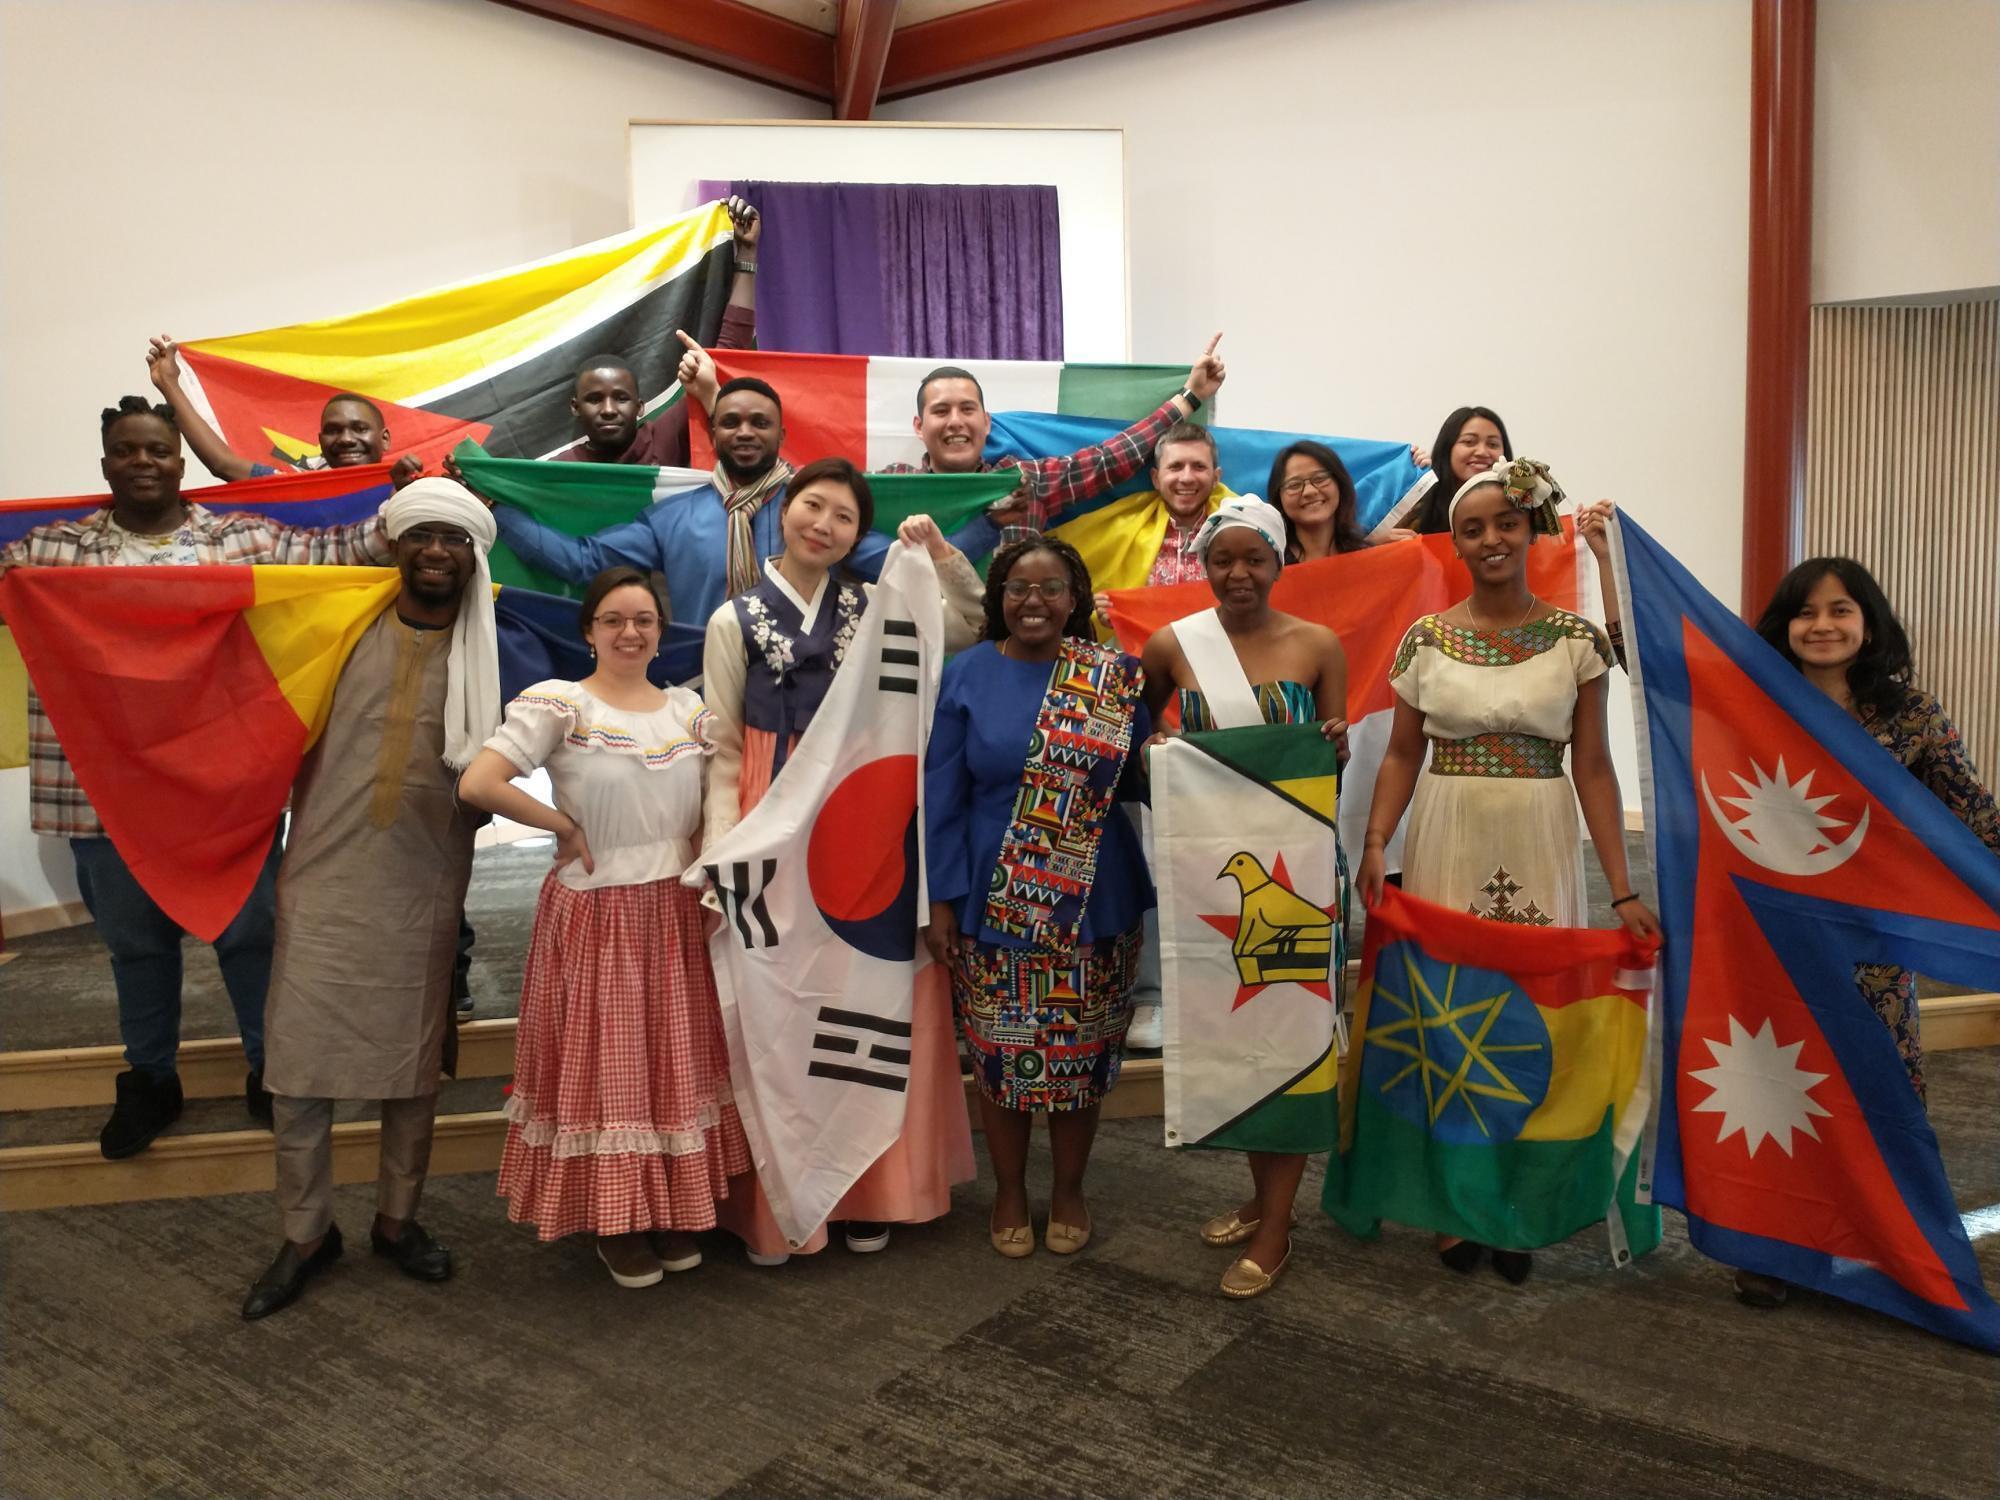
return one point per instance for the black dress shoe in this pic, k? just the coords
(257, 1098)
(414, 1252)
(1463, 1257)
(1513, 1265)
(281, 1284)
(147, 1104)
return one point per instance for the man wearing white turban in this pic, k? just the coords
(370, 891)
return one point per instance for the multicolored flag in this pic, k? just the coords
(1790, 849)
(493, 359)
(321, 497)
(1495, 1088)
(821, 891)
(1251, 949)
(185, 698)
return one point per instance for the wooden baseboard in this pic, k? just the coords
(34, 919)
(241, 1161)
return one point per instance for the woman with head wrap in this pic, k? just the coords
(621, 1123)
(1238, 664)
(1037, 885)
(1494, 688)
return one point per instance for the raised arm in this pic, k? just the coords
(164, 366)
(1593, 523)
(640, 543)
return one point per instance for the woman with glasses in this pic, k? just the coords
(767, 663)
(1037, 887)
(621, 1122)
(1313, 489)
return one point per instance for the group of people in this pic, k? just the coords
(622, 1119)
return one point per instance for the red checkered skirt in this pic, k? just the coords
(621, 1117)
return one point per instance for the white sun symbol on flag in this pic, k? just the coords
(1782, 827)
(1760, 1089)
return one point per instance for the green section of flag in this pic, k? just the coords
(1295, 1124)
(1273, 753)
(577, 499)
(1120, 393)
(1516, 1195)
(951, 500)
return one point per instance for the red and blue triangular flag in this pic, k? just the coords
(1790, 848)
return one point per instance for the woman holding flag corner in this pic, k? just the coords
(1498, 685)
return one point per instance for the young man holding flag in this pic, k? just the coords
(148, 524)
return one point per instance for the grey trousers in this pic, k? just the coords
(304, 1130)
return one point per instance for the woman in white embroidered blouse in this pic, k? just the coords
(621, 1122)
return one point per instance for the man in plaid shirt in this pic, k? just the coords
(148, 523)
(953, 422)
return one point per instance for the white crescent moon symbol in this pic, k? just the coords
(1818, 863)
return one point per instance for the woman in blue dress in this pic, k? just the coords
(1037, 886)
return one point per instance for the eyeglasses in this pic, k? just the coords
(438, 536)
(616, 623)
(1049, 588)
(1318, 480)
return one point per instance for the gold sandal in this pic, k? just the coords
(1248, 1279)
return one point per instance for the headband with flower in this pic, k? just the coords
(1529, 487)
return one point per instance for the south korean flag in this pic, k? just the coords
(822, 892)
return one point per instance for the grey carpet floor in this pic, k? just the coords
(939, 1369)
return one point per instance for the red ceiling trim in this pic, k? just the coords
(866, 27)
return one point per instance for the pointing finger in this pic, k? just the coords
(1211, 346)
(682, 335)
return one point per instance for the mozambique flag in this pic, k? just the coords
(1251, 949)
(185, 699)
(586, 499)
(318, 498)
(493, 359)
(1496, 1088)
(863, 406)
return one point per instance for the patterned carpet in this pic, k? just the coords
(938, 1369)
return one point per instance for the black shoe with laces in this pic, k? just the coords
(414, 1251)
(147, 1104)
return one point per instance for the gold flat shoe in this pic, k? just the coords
(1228, 1229)
(1066, 1239)
(1247, 1279)
(1016, 1243)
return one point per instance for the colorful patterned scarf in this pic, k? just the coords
(746, 569)
(1048, 857)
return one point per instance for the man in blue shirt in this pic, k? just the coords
(709, 542)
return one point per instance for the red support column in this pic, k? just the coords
(1774, 421)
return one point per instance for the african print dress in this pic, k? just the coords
(1927, 743)
(1493, 827)
(621, 1116)
(1048, 881)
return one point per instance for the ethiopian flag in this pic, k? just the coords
(493, 358)
(1251, 950)
(586, 499)
(185, 699)
(1496, 1088)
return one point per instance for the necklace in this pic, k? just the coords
(1532, 602)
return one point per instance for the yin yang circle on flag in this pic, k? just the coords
(861, 861)
(1463, 1052)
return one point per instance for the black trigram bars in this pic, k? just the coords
(743, 903)
(899, 657)
(839, 1055)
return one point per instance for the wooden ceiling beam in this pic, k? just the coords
(723, 34)
(861, 51)
(1009, 34)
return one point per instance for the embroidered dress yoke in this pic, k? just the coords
(621, 1116)
(1493, 827)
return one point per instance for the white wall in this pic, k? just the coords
(215, 166)
(1906, 148)
(1392, 207)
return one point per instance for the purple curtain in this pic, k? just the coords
(941, 272)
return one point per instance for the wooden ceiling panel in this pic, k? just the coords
(747, 40)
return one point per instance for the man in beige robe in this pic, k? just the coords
(369, 894)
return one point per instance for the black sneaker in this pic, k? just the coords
(146, 1106)
(257, 1098)
(461, 1009)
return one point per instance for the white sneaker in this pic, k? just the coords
(766, 1260)
(1148, 1030)
(867, 1243)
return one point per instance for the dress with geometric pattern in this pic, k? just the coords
(1493, 827)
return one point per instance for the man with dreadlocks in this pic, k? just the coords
(148, 524)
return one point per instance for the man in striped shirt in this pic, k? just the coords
(147, 523)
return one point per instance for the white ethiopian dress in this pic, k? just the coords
(1493, 826)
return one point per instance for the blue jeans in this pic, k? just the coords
(145, 947)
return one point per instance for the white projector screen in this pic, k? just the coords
(1085, 165)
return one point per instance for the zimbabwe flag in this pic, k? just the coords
(185, 699)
